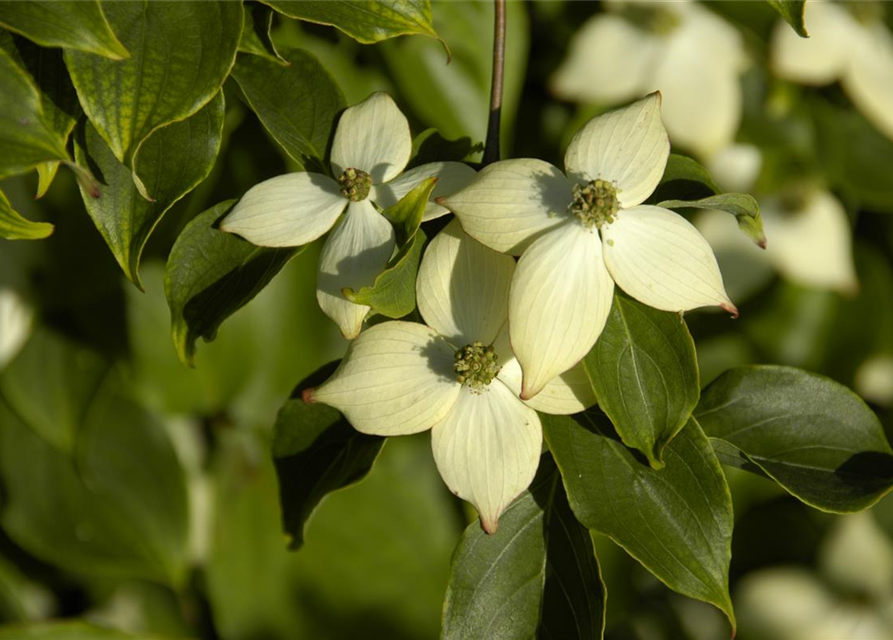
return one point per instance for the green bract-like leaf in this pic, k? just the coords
(13, 226)
(256, 33)
(685, 179)
(366, 21)
(316, 451)
(393, 293)
(815, 437)
(171, 162)
(210, 275)
(181, 54)
(537, 576)
(676, 521)
(744, 207)
(115, 505)
(644, 372)
(792, 11)
(297, 104)
(78, 25)
(26, 137)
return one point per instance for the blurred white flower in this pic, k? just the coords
(581, 235)
(810, 241)
(455, 376)
(874, 379)
(848, 42)
(372, 146)
(685, 51)
(16, 320)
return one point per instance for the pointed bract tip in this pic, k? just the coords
(307, 395)
(489, 527)
(761, 243)
(657, 95)
(732, 309)
(441, 200)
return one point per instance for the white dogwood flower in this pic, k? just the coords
(16, 321)
(455, 376)
(582, 233)
(685, 51)
(848, 42)
(372, 146)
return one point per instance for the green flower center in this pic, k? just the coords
(476, 366)
(595, 203)
(355, 184)
(657, 19)
(864, 11)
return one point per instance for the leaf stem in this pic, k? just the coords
(491, 151)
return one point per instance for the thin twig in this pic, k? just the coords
(491, 151)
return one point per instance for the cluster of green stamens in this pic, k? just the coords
(595, 203)
(355, 184)
(655, 19)
(476, 366)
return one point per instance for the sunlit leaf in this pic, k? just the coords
(14, 226)
(744, 207)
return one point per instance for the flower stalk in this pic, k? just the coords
(491, 150)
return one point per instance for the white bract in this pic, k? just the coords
(581, 235)
(372, 146)
(810, 239)
(455, 376)
(16, 321)
(848, 42)
(685, 51)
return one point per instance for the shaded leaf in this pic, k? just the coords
(316, 451)
(684, 179)
(744, 207)
(72, 24)
(181, 54)
(813, 436)
(298, 104)
(256, 33)
(676, 521)
(430, 146)
(367, 21)
(792, 11)
(644, 372)
(14, 226)
(210, 275)
(537, 576)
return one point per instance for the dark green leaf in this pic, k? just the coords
(316, 452)
(430, 146)
(256, 33)
(537, 576)
(170, 163)
(815, 437)
(684, 179)
(77, 24)
(27, 137)
(744, 207)
(116, 505)
(298, 104)
(644, 372)
(14, 226)
(677, 521)
(210, 275)
(792, 11)
(181, 54)
(367, 21)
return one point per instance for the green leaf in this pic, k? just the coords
(14, 226)
(210, 275)
(644, 372)
(366, 21)
(430, 146)
(677, 521)
(792, 11)
(256, 33)
(393, 293)
(744, 207)
(455, 98)
(813, 436)
(316, 452)
(78, 25)
(684, 179)
(537, 576)
(26, 136)
(171, 162)
(115, 505)
(298, 104)
(182, 52)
